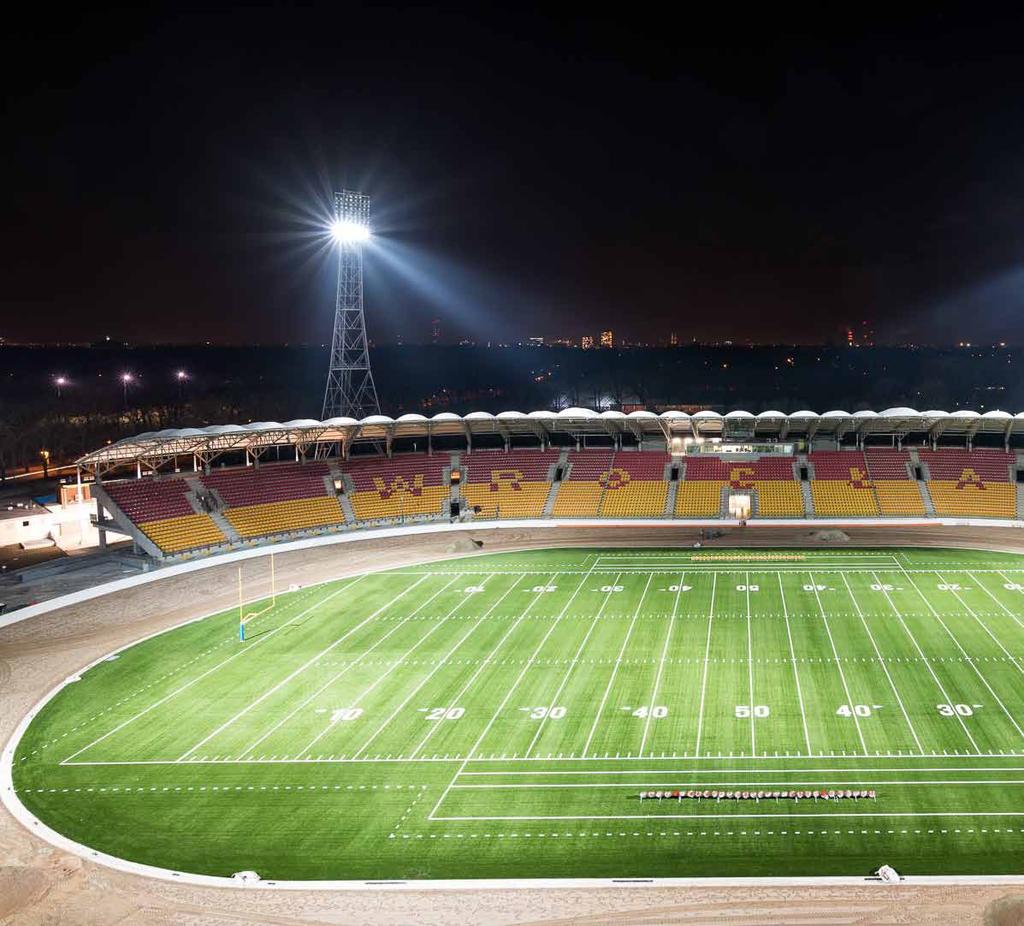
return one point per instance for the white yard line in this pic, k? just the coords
(889, 770)
(443, 662)
(881, 662)
(746, 783)
(401, 659)
(980, 622)
(262, 638)
(967, 658)
(945, 695)
(483, 665)
(839, 666)
(611, 678)
(539, 760)
(726, 817)
(572, 665)
(508, 694)
(664, 653)
(1016, 619)
(750, 667)
(796, 674)
(248, 749)
(245, 710)
(704, 678)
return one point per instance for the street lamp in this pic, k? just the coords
(45, 454)
(126, 380)
(59, 382)
(181, 377)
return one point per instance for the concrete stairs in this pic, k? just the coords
(673, 490)
(922, 484)
(216, 514)
(549, 505)
(805, 488)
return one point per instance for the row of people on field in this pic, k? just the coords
(823, 794)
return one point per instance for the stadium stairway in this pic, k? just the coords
(922, 485)
(343, 500)
(216, 513)
(549, 504)
(673, 490)
(805, 488)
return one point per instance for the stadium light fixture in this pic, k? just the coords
(347, 232)
(180, 375)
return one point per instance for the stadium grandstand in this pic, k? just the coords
(182, 492)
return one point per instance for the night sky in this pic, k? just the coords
(167, 173)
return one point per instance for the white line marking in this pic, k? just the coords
(297, 671)
(750, 666)
(486, 662)
(881, 662)
(664, 653)
(707, 653)
(508, 694)
(963, 652)
(572, 665)
(248, 749)
(835, 652)
(439, 665)
(611, 678)
(260, 639)
(796, 674)
(355, 703)
(928, 665)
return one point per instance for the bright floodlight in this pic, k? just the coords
(349, 232)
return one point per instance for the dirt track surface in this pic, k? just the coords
(40, 885)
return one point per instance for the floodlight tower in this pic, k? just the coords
(350, 390)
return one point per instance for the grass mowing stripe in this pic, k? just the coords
(927, 663)
(486, 662)
(661, 661)
(300, 669)
(881, 662)
(707, 654)
(750, 665)
(572, 665)
(796, 673)
(611, 678)
(979, 621)
(968, 659)
(261, 639)
(835, 652)
(354, 702)
(248, 749)
(508, 694)
(439, 665)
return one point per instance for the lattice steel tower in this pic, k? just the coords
(350, 389)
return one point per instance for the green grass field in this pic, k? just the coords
(496, 717)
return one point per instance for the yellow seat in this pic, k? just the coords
(187, 532)
(701, 498)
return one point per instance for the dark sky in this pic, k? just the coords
(531, 172)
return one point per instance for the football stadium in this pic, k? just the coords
(558, 645)
(646, 547)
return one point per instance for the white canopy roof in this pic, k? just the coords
(212, 441)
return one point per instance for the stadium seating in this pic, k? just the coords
(579, 495)
(769, 478)
(276, 498)
(400, 487)
(895, 489)
(841, 486)
(188, 532)
(971, 483)
(635, 485)
(507, 485)
(161, 509)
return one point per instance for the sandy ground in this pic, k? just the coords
(41, 886)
